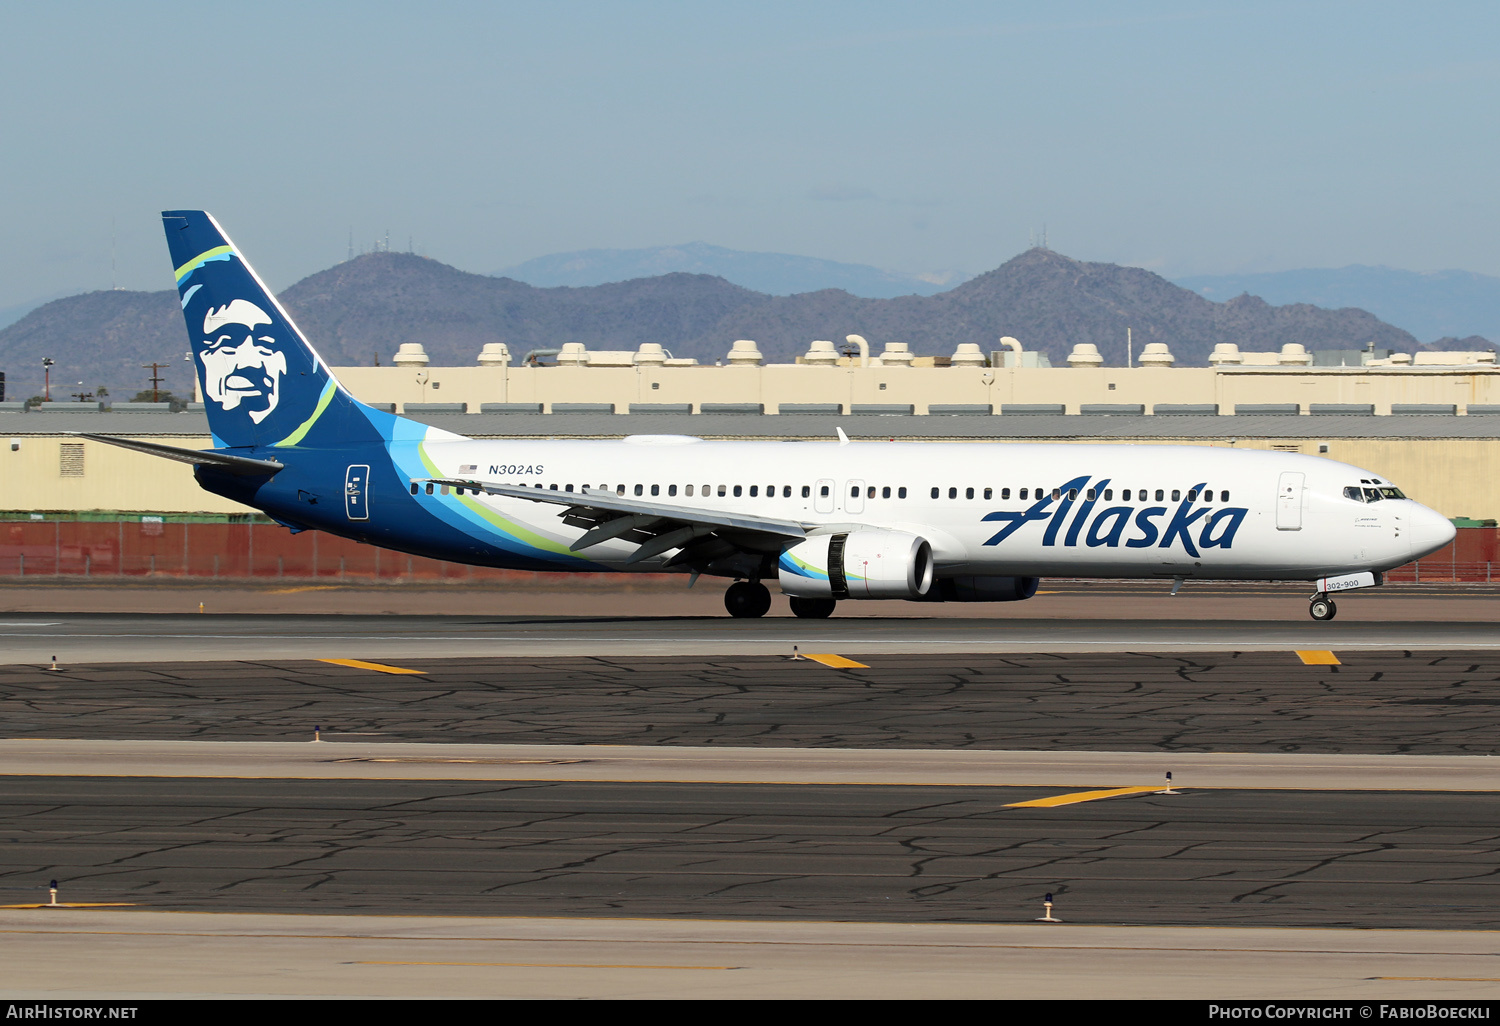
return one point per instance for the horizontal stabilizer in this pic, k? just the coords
(245, 465)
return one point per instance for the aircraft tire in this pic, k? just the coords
(813, 608)
(1323, 609)
(747, 599)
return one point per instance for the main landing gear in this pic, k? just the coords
(1322, 607)
(813, 608)
(747, 599)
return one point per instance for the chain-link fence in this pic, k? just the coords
(132, 548)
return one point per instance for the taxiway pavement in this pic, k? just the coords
(92, 638)
(161, 954)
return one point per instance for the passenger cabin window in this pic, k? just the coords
(640, 490)
(619, 489)
(1023, 493)
(737, 491)
(823, 491)
(934, 493)
(885, 493)
(806, 491)
(988, 492)
(1176, 494)
(721, 491)
(1056, 493)
(952, 493)
(854, 492)
(968, 493)
(872, 493)
(1005, 493)
(754, 491)
(688, 491)
(655, 490)
(786, 492)
(1072, 494)
(900, 493)
(569, 488)
(1160, 495)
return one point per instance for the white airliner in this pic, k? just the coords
(826, 521)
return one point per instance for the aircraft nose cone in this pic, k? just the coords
(1428, 531)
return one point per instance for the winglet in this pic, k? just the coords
(843, 438)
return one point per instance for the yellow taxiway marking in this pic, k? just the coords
(1081, 796)
(306, 587)
(838, 662)
(554, 965)
(1319, 658)
(77, 904)
(360, 664)
(1443, 979)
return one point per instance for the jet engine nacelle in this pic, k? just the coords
(857, 565)
(982, 589)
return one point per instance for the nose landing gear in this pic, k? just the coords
(747, 599)
(1322, 608)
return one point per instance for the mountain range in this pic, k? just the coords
(361, 310)
(776, 274)
(1429, 304)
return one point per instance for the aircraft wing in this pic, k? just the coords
(657, 526)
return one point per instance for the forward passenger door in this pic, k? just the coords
(1289, 491)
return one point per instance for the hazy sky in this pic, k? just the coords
(1184, 137)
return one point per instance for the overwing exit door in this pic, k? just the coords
(823, 496)
(854, 496)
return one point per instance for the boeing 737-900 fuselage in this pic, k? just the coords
(825, 520)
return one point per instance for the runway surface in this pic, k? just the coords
(76, 638)
(1373, 702)
(660, 806)
(142, 955)
(754, 851)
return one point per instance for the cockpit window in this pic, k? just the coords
(1373, 494)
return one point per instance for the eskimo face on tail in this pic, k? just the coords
(242, 368)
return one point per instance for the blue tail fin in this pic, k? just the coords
(262, 383)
